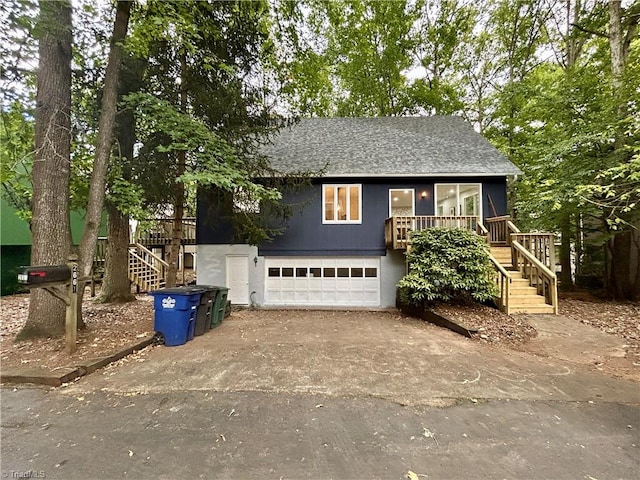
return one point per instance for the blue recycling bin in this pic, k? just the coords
(175, 313)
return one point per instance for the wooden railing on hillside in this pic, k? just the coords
(502, 277)
(502, 231)
(161, 232)
(503, 281)
(398, 229)
(541, 245)
(99, 263)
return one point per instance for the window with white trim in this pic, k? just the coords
(458, 199)
(342, 203)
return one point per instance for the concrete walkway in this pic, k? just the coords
(565, 339)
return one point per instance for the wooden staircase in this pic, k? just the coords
(147, 271)
(524, 265)
(523, 297)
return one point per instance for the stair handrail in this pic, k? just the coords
(143, 260)
(149, 253)
(503, 281)
(544, 273)
(540, 244)
(498, 229)
(512, 227)
(503, 278)
(482, 231)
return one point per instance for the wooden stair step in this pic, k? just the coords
(532, 309)
(526, 300)
(523, 290)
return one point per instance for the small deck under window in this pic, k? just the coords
(397, 229)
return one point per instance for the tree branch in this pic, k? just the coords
(587, 30)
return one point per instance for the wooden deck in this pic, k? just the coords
(524, 263)
(397, 230)
(161, 233)
(147, 249)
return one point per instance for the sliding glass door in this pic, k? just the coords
(458, 199)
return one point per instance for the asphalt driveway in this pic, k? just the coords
(336, 353)
(335, 395)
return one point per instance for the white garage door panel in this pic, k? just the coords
(322, 281)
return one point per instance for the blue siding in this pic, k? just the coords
(306, 235)
(213, 225)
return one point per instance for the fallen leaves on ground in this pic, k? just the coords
(621, 319)
(109, 328)
(493, 325)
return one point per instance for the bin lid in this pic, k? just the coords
(210, 287)
(191, 290)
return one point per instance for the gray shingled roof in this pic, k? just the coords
(387, 146)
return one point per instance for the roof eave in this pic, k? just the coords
(420, 175)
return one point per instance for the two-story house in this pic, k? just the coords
(383, 177)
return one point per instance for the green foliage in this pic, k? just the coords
(444, 27)
(18, 51)
(616, 194)
(17, 143)
(448, 265)
(211, 160)
(356, 66)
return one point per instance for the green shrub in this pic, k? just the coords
(447, 264)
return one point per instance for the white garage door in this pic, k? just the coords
(322, 281)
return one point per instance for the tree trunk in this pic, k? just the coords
(116, 286)
(178, 213)
(104, 143)
(635, 260)
(565, 253)
(579, 243)
(624, 264)
(51, 168)
(618, 59)
(176, 234)
(621, 280)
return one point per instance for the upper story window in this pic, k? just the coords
(342, 203)
(458, 199)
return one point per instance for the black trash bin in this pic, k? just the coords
(218, 301)
(203, 315)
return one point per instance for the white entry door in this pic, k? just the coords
(238, 279)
